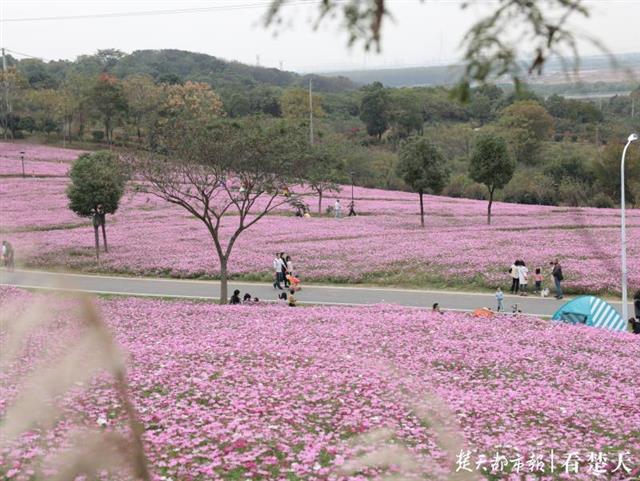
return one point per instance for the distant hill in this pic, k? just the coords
(174, 65)
(595, 68)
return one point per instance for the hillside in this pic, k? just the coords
(171, 66)
(593, 70)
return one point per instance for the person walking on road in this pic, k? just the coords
(277, 267)
(515, 276)
(289, 267)
(284, 270)
(8, 255)
(557, 278)
(337, 207)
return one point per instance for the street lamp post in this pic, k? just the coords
(22, 160)
(352, 207)
(623, 233)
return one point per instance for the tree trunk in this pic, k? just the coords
(103, 221)
(489, 208)
(320, 202)
(421, 208)
(224, 293)
(97, 235)
(107, 129)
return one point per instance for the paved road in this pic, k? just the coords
(311, 294)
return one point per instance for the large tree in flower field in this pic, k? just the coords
(491, 165)
(227, 174)
(422, 166)
(97, 185)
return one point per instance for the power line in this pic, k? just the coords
(148, 13)
(26, 54)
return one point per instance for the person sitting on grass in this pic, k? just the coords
(235, 298)
(292, 298)
(246, 299)
(634, 323)
(436, 308)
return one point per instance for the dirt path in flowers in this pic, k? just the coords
(334, 295)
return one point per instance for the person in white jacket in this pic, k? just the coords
(278, 265)
(523, 278)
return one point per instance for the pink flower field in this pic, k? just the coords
(270, 392)
(384, 244)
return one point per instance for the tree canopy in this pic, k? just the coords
(247, 168)
(97, 185)
(491, 165)
(423, 167)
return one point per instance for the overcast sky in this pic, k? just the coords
(421, 33)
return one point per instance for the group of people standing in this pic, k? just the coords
(283, 271)
(283, 276)
(519, 273)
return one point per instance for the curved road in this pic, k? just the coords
(311, 294)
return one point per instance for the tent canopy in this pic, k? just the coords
(591, 311)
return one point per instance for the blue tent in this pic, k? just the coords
(591, 311)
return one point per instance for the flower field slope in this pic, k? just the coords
(384, 244)
(270, 392)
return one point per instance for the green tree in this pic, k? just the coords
(227, 174)
(375, 109)
(607, 172)
(97, 184)
(294, 104)
(405, 114)
(108, 98)
(188, 103)
(423, 168)
(144, 99)
(491, 165)
(527, 124)
(326, 168)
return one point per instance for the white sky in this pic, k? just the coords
(422, 33)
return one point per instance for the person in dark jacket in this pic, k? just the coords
(636, 304)
(557, 278)
(235, 298)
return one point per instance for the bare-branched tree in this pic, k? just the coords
(229, 175)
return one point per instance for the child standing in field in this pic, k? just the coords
(538, 278)
(499, 300)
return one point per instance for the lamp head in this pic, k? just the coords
(632, 137)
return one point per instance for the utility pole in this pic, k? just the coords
(310, 111)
